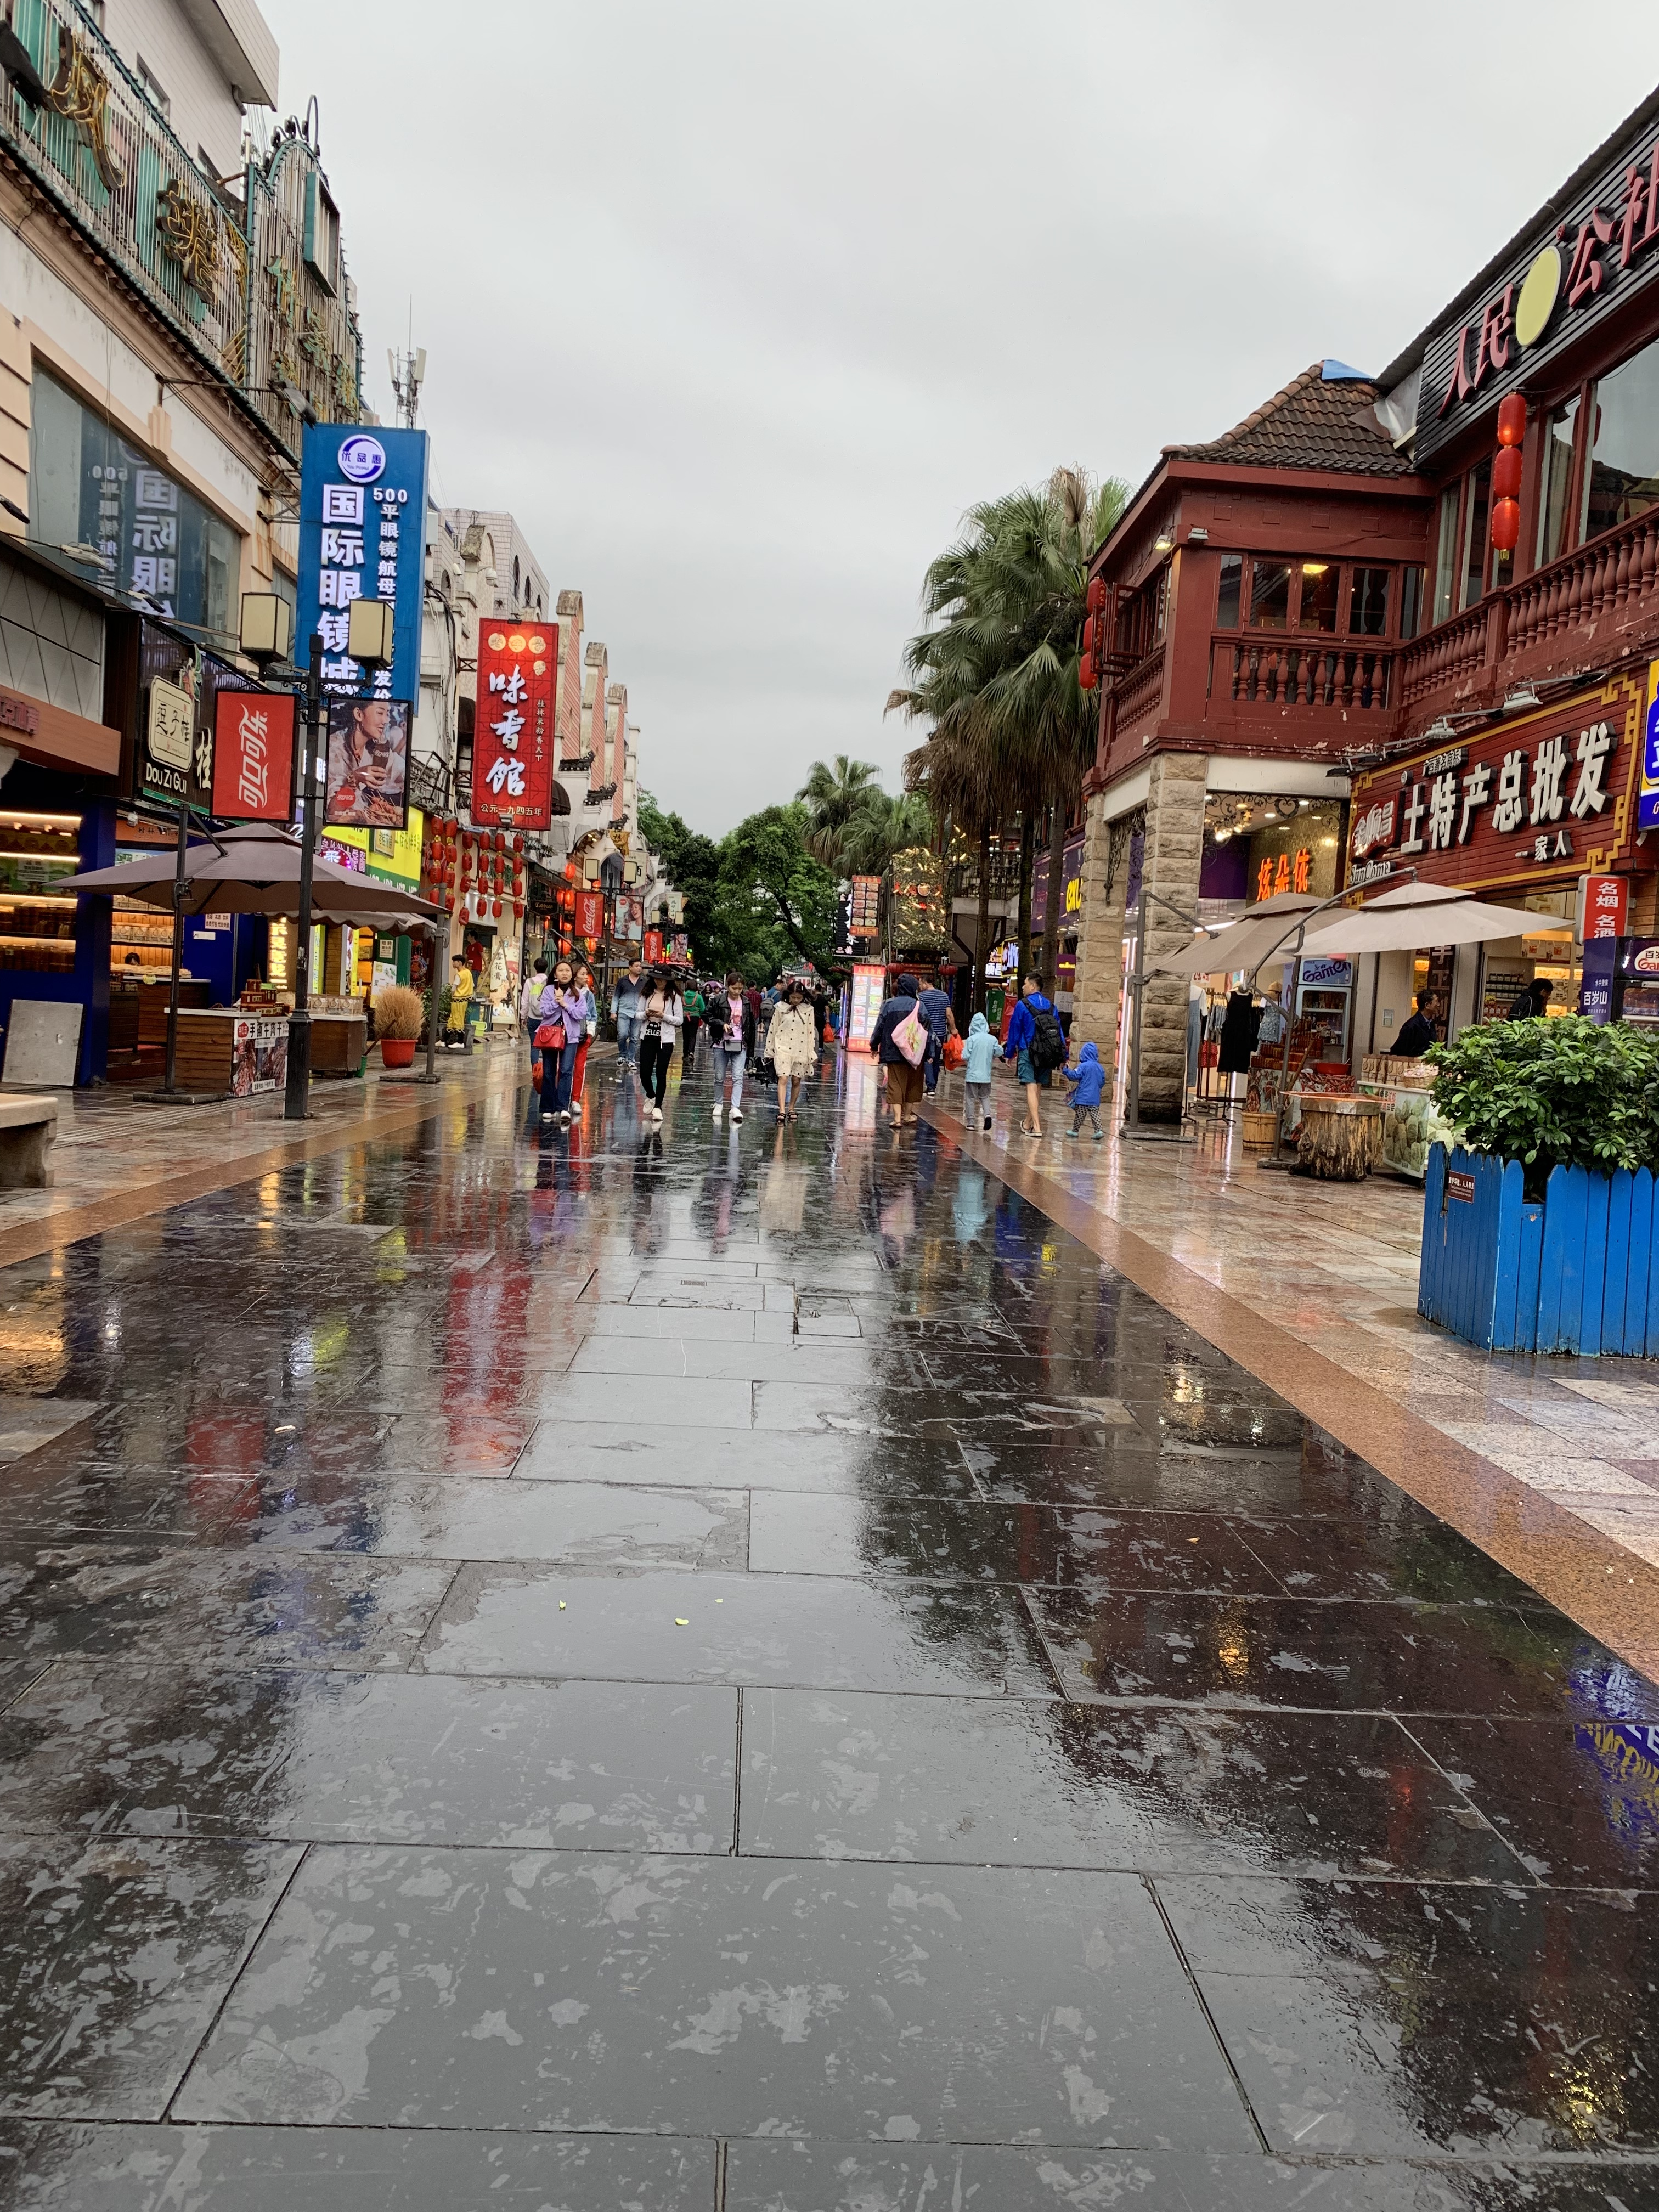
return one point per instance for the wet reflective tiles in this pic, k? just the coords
(728, 1997)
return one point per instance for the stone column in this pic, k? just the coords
(1174, 856)
(1099, 940)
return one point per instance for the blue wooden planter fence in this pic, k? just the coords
(1579, 1274)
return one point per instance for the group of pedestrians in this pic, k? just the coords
(656, 1010)
(913, 1033)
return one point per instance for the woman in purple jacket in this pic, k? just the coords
(561, 1002)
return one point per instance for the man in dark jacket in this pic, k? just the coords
(1530, 1006)
(936, 1012)
(1416, 1034)
(903, 1080)
(1036, 1044)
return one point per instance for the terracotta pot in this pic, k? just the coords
(397, 1052)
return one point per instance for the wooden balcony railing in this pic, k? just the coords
(1444, 655)
(1139, 691)
(1255, 671)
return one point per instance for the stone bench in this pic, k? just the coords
(28, 1128)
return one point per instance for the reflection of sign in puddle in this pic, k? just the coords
(1627, 1755)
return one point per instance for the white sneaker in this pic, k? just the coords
(547, 1117)
(656, 1113)
(575, 1112)
(717, 1109)
(737, 1113)
(564, 1119)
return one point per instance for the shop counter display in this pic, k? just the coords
(243, 1053)
(1411, 1121)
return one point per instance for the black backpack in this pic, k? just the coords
(1048, 1040)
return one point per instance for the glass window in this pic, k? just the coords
(1270, 594)
(1318, 607)
(1477, 509)
(1411, 601)
(1555, 481)
(1623, 477)
(1368, 603)
(1445, 557)
(1226, 600)
(89, 490)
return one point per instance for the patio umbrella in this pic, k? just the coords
(254, 868)
(1244, 943)
(1419, 914)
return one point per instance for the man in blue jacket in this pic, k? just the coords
(1037, 1045)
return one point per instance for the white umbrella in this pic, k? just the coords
(1245, 943)
(1420, 915)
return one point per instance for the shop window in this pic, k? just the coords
(1316, 608)
(1623, 477)
(1477, 506)
(1555, 481)
(1226, 598)
(155, 541)
(1270, 595)
(1445, 556)
(1411, 602)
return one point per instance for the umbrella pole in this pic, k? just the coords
(296, 1105)
(167, 1084)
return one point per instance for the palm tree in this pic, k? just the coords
(996, 672)
(838, 798)
(884, 826)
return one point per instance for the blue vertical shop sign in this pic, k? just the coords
(362, 535)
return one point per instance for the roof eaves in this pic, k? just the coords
(1558, 201)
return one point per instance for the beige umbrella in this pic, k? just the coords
(1419, 914)
(1245, 943)
(254, 868)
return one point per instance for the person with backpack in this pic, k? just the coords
(1037, 1045)
(941, 1024)
(1088, 1081)
(530, 1001)
(901, 1073)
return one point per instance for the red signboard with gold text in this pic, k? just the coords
(513, 725)
(1530, 801)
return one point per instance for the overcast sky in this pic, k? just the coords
(738, 306)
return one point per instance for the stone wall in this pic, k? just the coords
(1099, 942)
(1174, 856)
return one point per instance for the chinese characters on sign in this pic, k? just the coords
(362, 535)
(253, 755)
(864, 920)
(1290, 871)
(512, 726)
(1540, 796)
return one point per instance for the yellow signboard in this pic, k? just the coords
(394, 855)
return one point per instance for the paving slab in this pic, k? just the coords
(377, 1758)
(729, 1996)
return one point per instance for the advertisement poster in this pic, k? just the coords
(512, 727)
(253, 755)
(868, 990)
(362, 535)
(590, 914)
(864, 918)
(259, 1058)
(367, 784)
(652, 947)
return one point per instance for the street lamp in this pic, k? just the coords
(267, 630)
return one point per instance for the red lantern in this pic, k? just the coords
(1095, 601)
(1506, 473)
(495, 908)
(1089, 638)
(1086, 677)
(1506, 525)
(1511, 420)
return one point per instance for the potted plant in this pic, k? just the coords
(1538, 1223)
(399, 1015)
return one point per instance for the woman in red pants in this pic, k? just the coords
(584, 992)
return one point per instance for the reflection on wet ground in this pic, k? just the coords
(746, 1669)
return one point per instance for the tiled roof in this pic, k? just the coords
(1310, 425)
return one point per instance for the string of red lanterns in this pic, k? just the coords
(1506, 473)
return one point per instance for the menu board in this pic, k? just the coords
(260, 1060)
(868, 989)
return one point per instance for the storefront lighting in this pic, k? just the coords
(267, 627)
(1519, 698)
(1439, 730)
(1314, 567)
(1164, 543)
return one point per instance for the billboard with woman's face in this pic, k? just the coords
(367, 784)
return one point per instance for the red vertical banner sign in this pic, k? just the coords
(652, 947)
(513, 725)
(253, 755)
(590, 914)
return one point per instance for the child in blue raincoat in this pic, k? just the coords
(976, 1061)
(1088, 1080)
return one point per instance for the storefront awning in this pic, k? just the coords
(1418, 915)
(1246, 942)
(255, 869)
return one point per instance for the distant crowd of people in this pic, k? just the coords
(773, 1034)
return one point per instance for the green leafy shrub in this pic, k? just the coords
(1561, 1092)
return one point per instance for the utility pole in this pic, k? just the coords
(296, 1105)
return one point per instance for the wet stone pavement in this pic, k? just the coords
(743, 1668)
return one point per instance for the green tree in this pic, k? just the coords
(693, 865)
(778, 903)
(995, 672)
(840, 797)
(883, 827)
